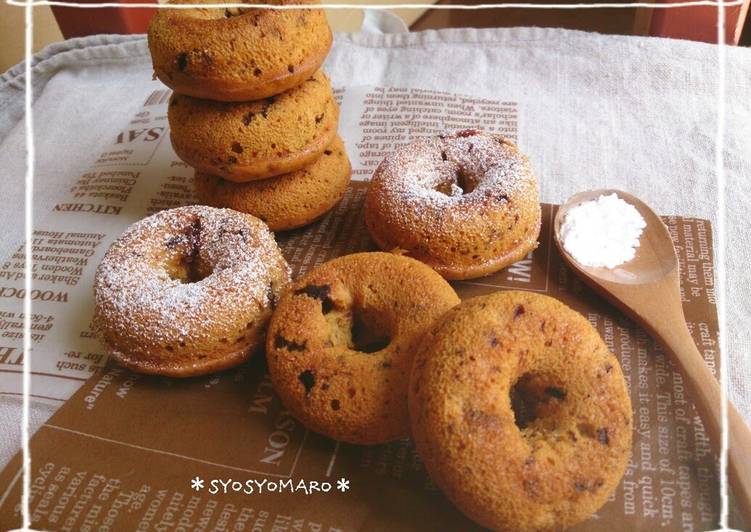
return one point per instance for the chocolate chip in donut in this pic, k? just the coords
(308, 380)
(320, 292)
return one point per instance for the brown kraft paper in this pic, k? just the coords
(121, 453)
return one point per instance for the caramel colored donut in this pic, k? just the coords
(188, 291)
(286, 201)
(237, 54)
(341, 342)
(465, 204)
(520, 413)
(255, 140)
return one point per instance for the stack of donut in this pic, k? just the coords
(251, 110)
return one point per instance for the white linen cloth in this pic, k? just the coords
(595, 111)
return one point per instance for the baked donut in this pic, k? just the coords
(255, 140)
(237, 54)
(341, 342)
(465, 204)
(286, 201)
(188, 291)
(519, 412)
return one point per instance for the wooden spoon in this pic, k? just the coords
(647, 288)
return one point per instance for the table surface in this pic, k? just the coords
(594, 111)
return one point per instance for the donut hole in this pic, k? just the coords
(465, 181)
(462, 183)
(188, 270)
(183, 261)
(536, 400)
(367, 335)
(359, 329)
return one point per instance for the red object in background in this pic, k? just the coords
(79, 22)
(695, 23)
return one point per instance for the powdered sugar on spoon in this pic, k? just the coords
(647, 288)
(603, 232)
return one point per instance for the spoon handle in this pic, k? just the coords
(707, 396)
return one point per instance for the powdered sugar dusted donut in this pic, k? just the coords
(465, 204)
(188, 291)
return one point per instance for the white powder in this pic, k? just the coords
(603, 232)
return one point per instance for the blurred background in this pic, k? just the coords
(694, 23)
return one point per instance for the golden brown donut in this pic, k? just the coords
(520, 413)
(237, 54)
(466, 204)
(255, 140)
(341, 342)
(286, 201)
(188, 291)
